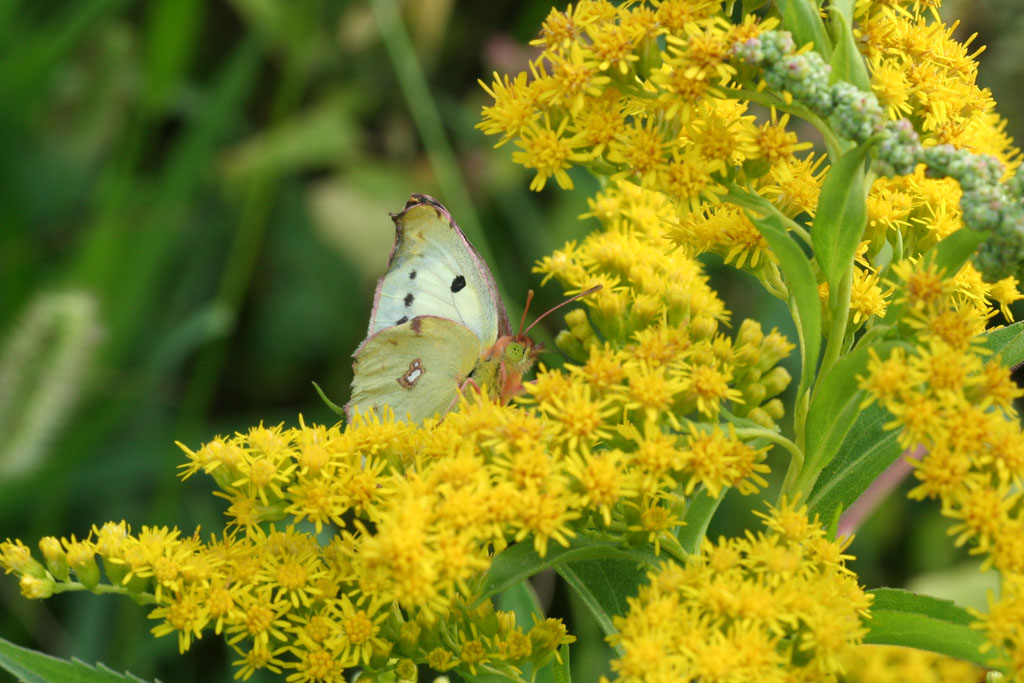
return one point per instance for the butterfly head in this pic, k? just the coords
(520, 354)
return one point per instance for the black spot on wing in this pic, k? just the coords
(458, 283)
(412, 274)
(408, 299)
(403, 319)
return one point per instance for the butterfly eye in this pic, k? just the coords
(514, 352)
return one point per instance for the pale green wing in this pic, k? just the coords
(416, 368)
(434, 270)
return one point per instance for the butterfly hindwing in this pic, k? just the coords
(433, 270)
(416, 368)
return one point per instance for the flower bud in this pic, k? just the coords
(35, 588)
(56, 559)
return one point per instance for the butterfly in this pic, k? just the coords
(438, 324)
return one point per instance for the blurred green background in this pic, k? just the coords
(193, 214)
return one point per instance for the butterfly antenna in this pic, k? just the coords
(564, 303)
(529, 298)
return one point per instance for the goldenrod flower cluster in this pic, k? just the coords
(368, 546)
(663, 356)
(775, 607)
(890, 664)
(954, 398)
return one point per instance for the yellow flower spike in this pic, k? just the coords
(983, 508)
(545, 515)
(514, 108)
(550, 152)
(185, 614)
(867, 299)
(776, 145)
(642, 149)
(652, 390)
(707, 387)
(612, 45)
(260, 618)
(16, 558)
(690, 179)
(575, 76)
(258, 658)
(581, 417)
(81, 557)
(1005, 292)
(602, 479)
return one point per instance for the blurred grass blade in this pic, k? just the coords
(171, 36)
(44, 364)
(115, 239)
(429, 124)
(44, 49)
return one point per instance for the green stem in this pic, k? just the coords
(839, 309)
(428, 122)
(105, 589)
(241, 259)
(755, 202)
(796, 456)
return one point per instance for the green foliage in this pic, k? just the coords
(903, 618)
(33, 667)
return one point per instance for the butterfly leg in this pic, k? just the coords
(468, 384)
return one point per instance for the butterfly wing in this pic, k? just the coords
(433, 270)
(416, 368)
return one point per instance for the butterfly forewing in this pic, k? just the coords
(434, 271)
(415, 368)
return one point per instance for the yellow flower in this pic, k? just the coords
(549, 152)
(514, 108)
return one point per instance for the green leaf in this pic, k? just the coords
(172, 30)
(1007, 341)
(801, 18)
(521, 599)
(803, 292)
(907, 619)
(699, 512)
(845, 7)
(604, 585)
(835, 407)
(520, 561)
(562, 674)
(841, 215)
(954, 251)
(35, 667)
(847, 62)
(866, 452)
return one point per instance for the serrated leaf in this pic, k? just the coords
(835, 407)
(803, 292)
(866, 452)
(521, 561)
(604, 585)
(841, 215)
(1008, 342)
(35, 667)
(801, 18)
(847, 62)
(908, 619)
